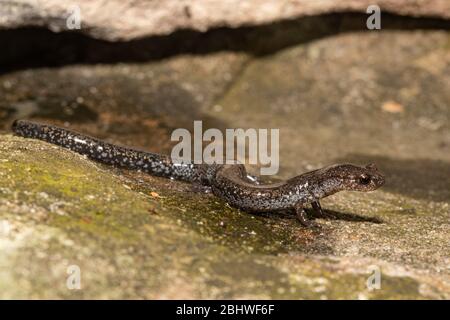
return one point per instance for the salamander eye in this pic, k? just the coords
(364, 179)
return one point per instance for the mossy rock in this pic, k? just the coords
(141, 237)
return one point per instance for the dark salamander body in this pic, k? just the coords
(228, 182)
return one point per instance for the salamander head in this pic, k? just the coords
(355, 178)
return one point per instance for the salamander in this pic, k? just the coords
(228, 182)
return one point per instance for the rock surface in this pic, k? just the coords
(118, 19)
(362, 97)
(142, 237)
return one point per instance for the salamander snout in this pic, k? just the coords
(356, 178)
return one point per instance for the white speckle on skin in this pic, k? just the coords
(79, 140)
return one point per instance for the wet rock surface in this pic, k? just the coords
(360, 97)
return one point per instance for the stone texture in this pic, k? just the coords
(118, 19)
(142, 237)
(135, 236)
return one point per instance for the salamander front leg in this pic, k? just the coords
(318, 209)
(199, 188)
(302, 216)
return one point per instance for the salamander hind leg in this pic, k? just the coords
(303, 218)
(319, 212)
